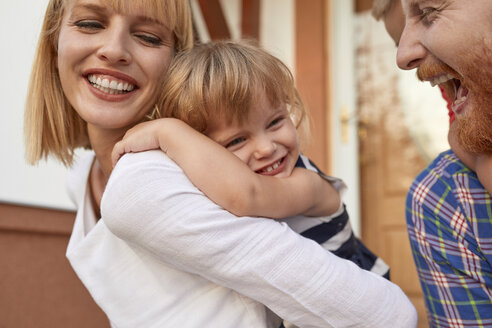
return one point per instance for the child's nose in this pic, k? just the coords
(265, 147)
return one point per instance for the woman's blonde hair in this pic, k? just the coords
(51, 125)
(222, 80)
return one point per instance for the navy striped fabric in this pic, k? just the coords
(336, 235)
(325, 231)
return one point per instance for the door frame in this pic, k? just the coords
(344, 126)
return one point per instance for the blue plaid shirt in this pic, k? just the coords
(449, 220)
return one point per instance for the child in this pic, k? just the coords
(245, 101)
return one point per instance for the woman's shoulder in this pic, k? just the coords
(142, 185)
(141, 165)
(143, 158)
(148, 175)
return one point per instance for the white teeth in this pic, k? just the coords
(440, 79)
(273, 167)
(105, 83)
(459, 101)
(107, 86)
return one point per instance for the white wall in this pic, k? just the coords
(44, 185)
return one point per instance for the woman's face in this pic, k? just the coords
(111, 64)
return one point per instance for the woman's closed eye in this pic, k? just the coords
(149, 39)
(144, 37)
(89, 25)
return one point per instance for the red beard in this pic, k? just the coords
(474, 128)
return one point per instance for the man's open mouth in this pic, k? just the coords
(454, 88)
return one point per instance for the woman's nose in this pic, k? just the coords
(115, 47)
(411, 52)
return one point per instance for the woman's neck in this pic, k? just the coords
(102, 142)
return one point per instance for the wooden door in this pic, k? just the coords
(389, 159)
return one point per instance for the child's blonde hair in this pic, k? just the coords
(222, 79)
(51, 125)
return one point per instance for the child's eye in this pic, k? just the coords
(235, 142)
(89, 25)
(275, 122)
(149, 39)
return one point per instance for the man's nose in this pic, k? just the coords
(115, 47)
(411, 52)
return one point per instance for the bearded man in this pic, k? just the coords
(448, 209)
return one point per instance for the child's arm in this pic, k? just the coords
(480, 163)
(228, 181)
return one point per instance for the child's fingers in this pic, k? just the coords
(118, 151)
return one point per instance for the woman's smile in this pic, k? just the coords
(111, 85)
(108, 85)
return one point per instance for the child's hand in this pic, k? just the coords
(143, 136)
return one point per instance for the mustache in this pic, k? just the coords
(432, 68)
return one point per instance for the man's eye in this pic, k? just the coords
(89, 25)
(235, 142)
(428, 15)
(152, 40)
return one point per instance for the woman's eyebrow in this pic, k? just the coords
(89, 6)
(150, 20)
(81, 5)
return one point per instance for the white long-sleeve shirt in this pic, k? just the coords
(178, 234)
(135, 289)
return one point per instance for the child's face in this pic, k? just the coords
(267, 141)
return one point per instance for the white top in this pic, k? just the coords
(134, 289)
(178, 248)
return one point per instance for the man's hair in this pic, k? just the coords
(381, 7)
(222, 80)
(51, 125)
